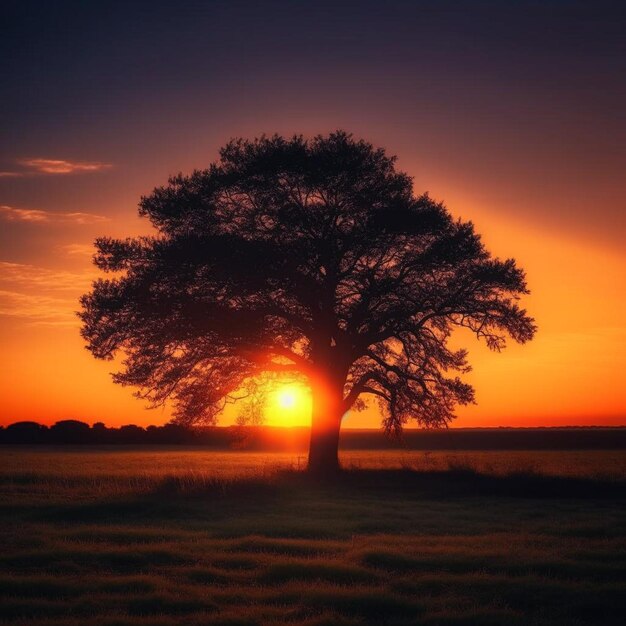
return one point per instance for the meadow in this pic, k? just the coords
(164, 536)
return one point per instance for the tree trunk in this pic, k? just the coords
(325, 426)
(324, 450)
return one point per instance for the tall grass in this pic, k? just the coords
(187, 542)
(157, 461)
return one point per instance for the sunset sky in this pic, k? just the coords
(512, 113)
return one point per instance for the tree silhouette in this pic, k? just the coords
(304, 257)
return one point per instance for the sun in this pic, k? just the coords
(289, 405)
(286, 398)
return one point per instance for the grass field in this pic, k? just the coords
(171, 536)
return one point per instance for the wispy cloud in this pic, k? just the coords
(32, 277)
(62, 166)
(37, 309)
(38, 216)
(41, 295)
(78, 249)
(35, 166)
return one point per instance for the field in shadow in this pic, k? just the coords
(366, 547)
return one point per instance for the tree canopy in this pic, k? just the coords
(304, 256)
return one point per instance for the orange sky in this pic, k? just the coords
(571, 373)
(497, 109)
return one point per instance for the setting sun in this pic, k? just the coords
(286, 399)
(289, 405)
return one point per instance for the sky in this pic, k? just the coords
(512, 113)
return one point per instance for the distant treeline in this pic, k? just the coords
(74, 432)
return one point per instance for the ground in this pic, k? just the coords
(163, 537)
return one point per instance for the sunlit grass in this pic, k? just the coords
(187, 543)
(158, 461)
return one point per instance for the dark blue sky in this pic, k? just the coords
(468, 94)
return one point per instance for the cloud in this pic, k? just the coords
(78, 249)
(38, 295)
(38, 216)
(61, 166)
(33, 167)
(22, 276)
(38, 309)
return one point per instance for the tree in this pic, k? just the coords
(25, 432)
(70, 431)
(304, 257)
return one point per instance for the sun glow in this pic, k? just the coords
(286, 399)
(289, 405)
